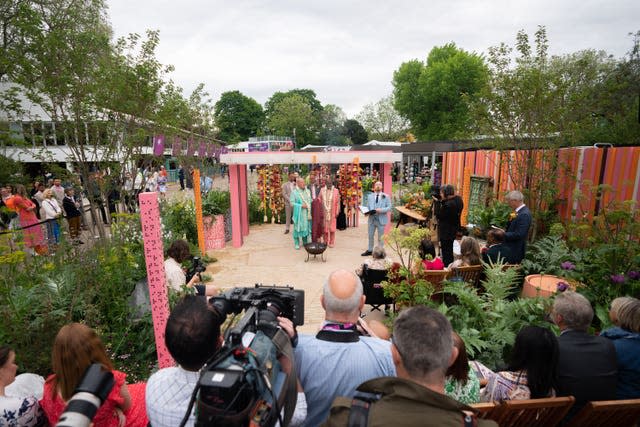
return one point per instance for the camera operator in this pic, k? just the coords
(192, 337)
(175, 275)
(341, 356)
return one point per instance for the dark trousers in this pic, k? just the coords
(446, 249)
(181, 183)
(74, 227)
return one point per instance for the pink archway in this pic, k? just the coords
(238, 162)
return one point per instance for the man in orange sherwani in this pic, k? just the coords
(330, 198)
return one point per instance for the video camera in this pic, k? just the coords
(252, 377)
(93, 389)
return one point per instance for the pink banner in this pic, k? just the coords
(158, 145)
(191, 147)
(177, 147)
(202, 149)
(154, 256)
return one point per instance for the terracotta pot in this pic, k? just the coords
(214, 232)
(541, 285)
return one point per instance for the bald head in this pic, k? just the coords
(342, 296)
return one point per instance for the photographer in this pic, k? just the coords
(175, 275)
(192, 337)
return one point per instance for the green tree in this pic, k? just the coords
(354, 131)
(331, 125)
(381, 120)
(292, 116)
(309, 132)
(432, 95)
(237, 116)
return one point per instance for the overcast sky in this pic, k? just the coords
(347, 51)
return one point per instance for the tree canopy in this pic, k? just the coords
(353, 130)
(293, 115)
(382, 122)
(237, 116)
(432, 95)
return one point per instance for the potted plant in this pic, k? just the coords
(214, 206)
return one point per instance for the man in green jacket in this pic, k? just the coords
(422, 350)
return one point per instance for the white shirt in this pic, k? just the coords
(51, 208)
(168, 394)
(174, 274)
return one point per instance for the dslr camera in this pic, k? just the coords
(251, 379)
(197, 267)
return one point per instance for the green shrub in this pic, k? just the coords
(216, 202)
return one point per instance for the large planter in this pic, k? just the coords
(214, 232)
(541, 285)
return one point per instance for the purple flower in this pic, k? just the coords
(562, 286)
(633, 275)
(618, 278)
(568, 265)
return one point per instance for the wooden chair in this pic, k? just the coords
(436, 277)
(547, 412)
(470, 274)
(619, 413)
(485, 410)
(373, 291)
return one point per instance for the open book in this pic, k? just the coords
(364, 209)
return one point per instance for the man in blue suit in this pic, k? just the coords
(379, 205)
(518, 227)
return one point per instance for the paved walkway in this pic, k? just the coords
(268, 257)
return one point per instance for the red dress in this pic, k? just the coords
(106, 416)
(436, 264)
(33, 236)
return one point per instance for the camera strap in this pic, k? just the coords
(339, 332)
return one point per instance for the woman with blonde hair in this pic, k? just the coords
(77, 347)
(52, 211)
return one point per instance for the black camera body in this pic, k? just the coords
(252, 380)
(197, 267)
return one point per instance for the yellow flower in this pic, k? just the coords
(513, 215)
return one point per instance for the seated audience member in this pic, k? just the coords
(427, 253)
(470, 250)
(422, 351)
(531, 374)
(192, 336)
(456, 243)
(75, 348)
(378, 261)
(587, 364)
(496, 251)
(625, 314)
(462, 383)
(338, 358)
(175, 275)
(16, 411)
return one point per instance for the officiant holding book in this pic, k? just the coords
(378, 205)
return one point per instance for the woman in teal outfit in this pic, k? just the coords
(301, 218)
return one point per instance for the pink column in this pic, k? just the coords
(387, 188)
(244, 205)
(236, 215)
(154, 256)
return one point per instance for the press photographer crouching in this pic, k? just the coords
(176, 275)
(248, 376)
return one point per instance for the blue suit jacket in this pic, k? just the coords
(517, 233)
(382, 207)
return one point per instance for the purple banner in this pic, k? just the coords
(211, 150)
(191, 147)
(258, 146)
(158, 145)
(202, 149)
(177, 147)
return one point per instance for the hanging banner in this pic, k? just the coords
(198, 203)
(176, 148)
(158, 145)
(211, 150)
(191, 147)
(153, 256)
(202, 149)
